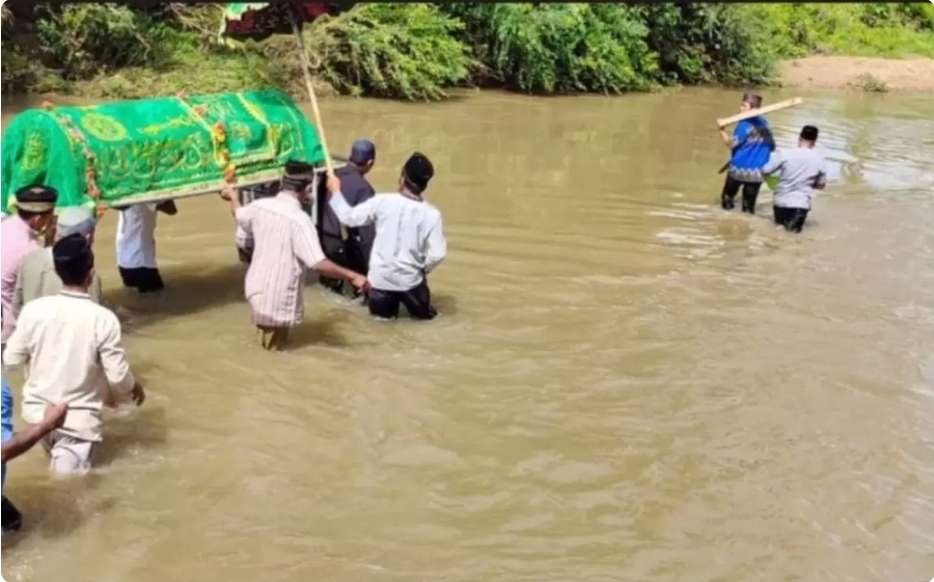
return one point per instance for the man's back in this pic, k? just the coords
(409, 241)
(276, 228)
(73, 349)
(356, 189)
(284, 244)
(37, 278)
(799, 170)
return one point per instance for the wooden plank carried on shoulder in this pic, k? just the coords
(725, 121)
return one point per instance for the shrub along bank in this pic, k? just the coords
(417, 51)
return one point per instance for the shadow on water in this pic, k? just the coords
(52, 509)
(444, 303)
(317, 331)
(188, 291)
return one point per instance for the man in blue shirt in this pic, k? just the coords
(16, 444)
(751, 144)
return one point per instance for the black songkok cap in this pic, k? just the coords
(417, 171)
(37, 199)
(298, 175)
(73, 258)
(809, 133)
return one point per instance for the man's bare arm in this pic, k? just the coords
(24, 440)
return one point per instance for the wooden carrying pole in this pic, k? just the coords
(725, 121)
(311, 93)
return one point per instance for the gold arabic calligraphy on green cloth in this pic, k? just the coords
(136, 148)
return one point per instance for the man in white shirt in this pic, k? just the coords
(409, 241)
(800, 172)
(136, 245)
(73, 353)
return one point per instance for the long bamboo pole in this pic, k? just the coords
(328, 163)
(311, 93)
(725, 121)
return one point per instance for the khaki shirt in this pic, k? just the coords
(37, 278)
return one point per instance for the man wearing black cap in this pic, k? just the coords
(29, 229)
(350, 247)
(800, 171)
(285, 244)
(73, 351)
(409, 240)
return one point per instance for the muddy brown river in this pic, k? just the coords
(625, 383)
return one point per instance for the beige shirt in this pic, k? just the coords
(72, 350)
(285, 243)
(37, 278)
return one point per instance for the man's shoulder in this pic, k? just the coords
(803, 154)
(78, 307)
(38, 308)
(37, 258)
(93, 309)
(262, 202)
(432, 211)
(355, 185)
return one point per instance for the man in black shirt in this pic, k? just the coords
(350, 247)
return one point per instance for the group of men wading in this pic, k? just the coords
(393, 241)
(753, 157)
(71, 346)
(383, 246)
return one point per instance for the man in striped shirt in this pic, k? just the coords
(285, 243)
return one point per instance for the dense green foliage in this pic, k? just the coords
(884, 30)
(699, 43)
(417, 51)
(390, 50)
(81, 40)
(559, 48)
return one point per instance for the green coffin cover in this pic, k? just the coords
(156, 148)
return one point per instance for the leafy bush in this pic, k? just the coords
(15, 70)
(208, 71)
(83, 39)
(707, 42)
(559, 48)
(386, 50)
(884, 30)
(416, 51)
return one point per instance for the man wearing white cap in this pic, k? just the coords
(37, 277)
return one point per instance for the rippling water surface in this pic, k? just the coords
(626, 383)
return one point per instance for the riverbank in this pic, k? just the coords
(862, 73)
(418, 52)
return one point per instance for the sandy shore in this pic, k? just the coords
(843, 72)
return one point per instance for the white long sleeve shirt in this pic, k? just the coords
(73, 351)
(409, 238)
